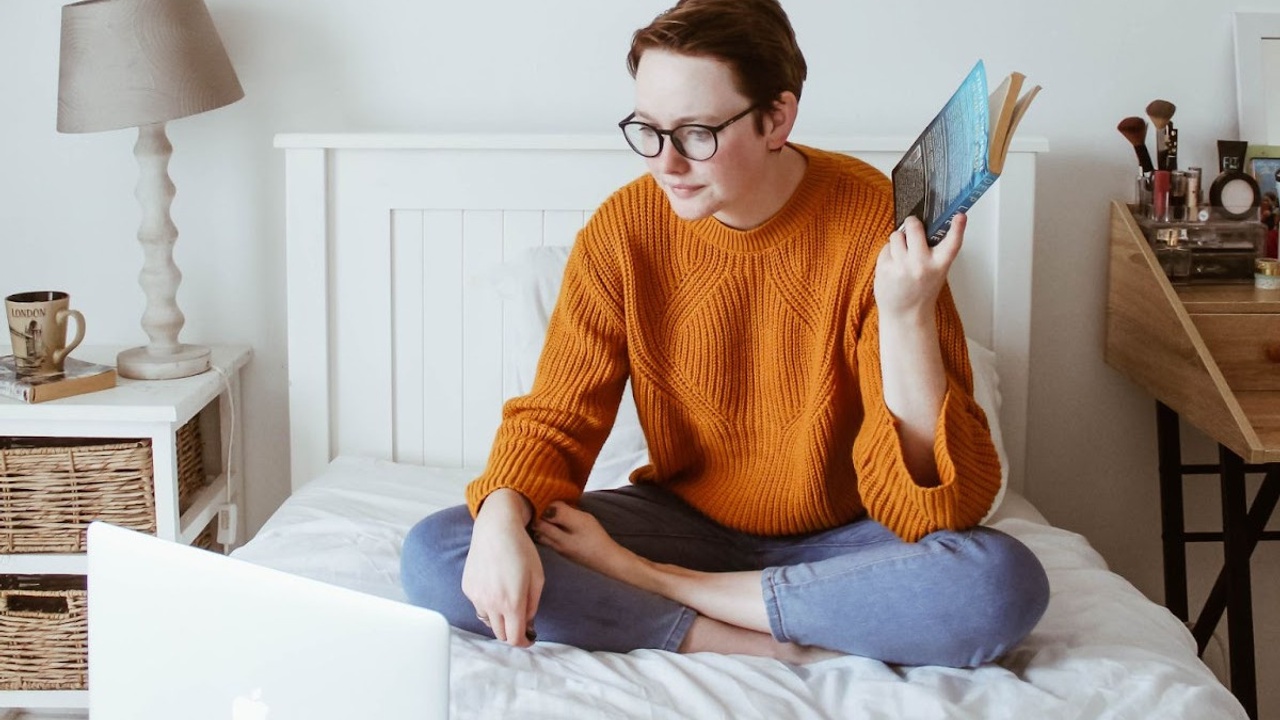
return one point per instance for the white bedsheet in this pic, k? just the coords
(1102, 650)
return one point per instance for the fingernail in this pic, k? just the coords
(549, 513)
(530, 635)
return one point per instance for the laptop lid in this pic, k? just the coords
(180, 632)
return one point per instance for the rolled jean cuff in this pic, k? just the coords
(678, 631)
(770, 594)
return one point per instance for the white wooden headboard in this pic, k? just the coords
(394, 353)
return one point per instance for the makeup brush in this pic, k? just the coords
(1134, 130)
(1161, 112)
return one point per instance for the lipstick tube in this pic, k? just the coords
(1160, 195)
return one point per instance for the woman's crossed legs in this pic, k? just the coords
(638, 568)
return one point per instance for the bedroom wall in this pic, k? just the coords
(68, 217)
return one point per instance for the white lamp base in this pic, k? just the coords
(139, 364)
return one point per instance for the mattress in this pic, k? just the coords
(1102, 649)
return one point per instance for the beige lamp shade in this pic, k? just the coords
(129, 63)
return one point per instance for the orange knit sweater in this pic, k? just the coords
(754, 361)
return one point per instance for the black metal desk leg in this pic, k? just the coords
(1236, 550)
(1172, 522)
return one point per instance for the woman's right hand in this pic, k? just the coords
(503, 574)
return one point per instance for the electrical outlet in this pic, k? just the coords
(228, 522)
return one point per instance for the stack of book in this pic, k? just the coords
(77, 377)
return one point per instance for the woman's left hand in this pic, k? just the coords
(910, 274)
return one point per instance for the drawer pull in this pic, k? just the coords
(34, 604)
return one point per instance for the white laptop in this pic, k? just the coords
(177, 632)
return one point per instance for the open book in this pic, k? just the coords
(961, 152)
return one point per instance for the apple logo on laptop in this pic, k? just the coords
(250, 708)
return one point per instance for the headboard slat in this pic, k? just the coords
(410, 325)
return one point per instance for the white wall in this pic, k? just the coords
(68, 217)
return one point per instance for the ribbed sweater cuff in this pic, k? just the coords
(534, 470)
(968, 466)
(968, 472)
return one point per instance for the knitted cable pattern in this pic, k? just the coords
(754, 361)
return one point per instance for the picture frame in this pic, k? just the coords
(1257, 56)
(1262, 162)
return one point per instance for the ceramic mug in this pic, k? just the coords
(38, 329)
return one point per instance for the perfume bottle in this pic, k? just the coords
(1173, 254)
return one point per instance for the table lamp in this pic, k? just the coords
(142, 63)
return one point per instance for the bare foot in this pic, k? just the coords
(732, 616)
(710, 635)
(578, 536)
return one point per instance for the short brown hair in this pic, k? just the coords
(753, 36)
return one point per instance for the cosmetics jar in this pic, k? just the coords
(1266, 274)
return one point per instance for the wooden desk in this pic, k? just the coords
(1210, 354)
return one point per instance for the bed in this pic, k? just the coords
(419, 269)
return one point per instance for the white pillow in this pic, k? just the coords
(986, 391)
(529, 285)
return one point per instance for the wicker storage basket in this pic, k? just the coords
(52, 488)
(44, 632)
(191, 477)
(44, 628)
(208, 538)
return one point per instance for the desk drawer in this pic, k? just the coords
(1245, 346)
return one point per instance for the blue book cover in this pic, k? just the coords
(960, 153)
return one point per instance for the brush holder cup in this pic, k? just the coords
(1142, 196)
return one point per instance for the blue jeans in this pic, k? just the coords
(954, 598)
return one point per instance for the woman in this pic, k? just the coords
(818, 463)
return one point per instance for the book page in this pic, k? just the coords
(1001, 108)
(1019, 110)
(995, 103)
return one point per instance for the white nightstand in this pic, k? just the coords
(141, 409)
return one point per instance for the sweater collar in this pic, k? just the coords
(788, 222)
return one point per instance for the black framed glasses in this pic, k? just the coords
(694, 141)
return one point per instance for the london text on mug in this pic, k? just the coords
(38, 329)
